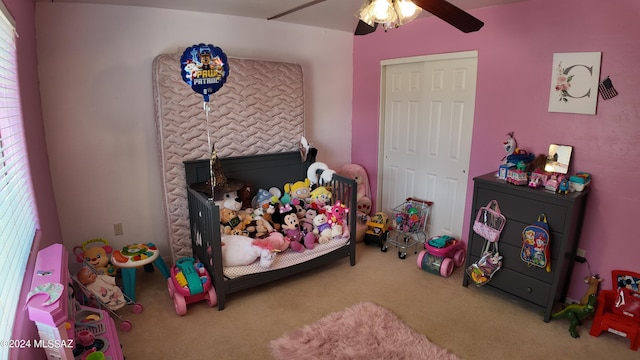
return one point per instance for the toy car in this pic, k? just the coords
(517, 177)
(441, 255)
(189, 282)
(377, 229)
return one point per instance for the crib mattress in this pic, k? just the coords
(287, 258)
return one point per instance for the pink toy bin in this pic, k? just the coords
(441, 255)
(190, 282)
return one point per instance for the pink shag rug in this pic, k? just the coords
(362, 331)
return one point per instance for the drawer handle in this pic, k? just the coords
(529, 290)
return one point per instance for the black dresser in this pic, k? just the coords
(521, 206)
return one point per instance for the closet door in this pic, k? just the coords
(427, 122)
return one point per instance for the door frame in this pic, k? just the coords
(383, 83)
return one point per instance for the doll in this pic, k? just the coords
(103, 287)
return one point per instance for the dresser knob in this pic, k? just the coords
(529, 290)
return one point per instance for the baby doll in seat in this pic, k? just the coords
(103, 287)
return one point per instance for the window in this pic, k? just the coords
(18, 220)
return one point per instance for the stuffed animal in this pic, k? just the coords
(337, 213)
(96, 256)
(244, 194)
(256, 225)
(359, 175)
(307, 221)
(229, 200)
(322, 228)
(364, 209)
(299, 190)
(231, 222)
(239, 250)
(321, 196)
(291, 228)
(325, 177)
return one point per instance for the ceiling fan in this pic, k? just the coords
(391, 14)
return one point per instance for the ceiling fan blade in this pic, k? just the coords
(451, 14)
(305, 5)
(363, 28)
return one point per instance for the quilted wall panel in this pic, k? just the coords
(260, 109)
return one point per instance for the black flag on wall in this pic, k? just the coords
(606, 89)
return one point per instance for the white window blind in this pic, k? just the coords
(18, 220)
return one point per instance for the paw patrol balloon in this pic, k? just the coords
(204, 68)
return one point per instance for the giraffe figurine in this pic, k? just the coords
(594, 284)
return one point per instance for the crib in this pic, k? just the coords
(262, 172)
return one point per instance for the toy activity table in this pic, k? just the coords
(130, 257)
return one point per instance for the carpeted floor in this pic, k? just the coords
(472, 323)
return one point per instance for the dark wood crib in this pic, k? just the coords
(262, 172)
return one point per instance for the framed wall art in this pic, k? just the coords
(574, 82)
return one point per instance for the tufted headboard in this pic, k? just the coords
(259, 110)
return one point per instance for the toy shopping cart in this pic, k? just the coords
(410, 226)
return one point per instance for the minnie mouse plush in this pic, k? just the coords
(291, 228)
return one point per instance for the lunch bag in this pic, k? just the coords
(489, 221)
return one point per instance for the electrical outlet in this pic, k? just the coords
(581, 253)
(117, 229)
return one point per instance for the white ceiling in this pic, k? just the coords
(330, 14)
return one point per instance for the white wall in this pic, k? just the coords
(94, 63)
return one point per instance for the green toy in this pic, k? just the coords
(575, 313)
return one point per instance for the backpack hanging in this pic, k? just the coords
(535, 244)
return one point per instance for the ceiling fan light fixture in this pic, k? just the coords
(406, 10)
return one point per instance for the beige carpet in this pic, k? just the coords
(363, 331)
(473, 323)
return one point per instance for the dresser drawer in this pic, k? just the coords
(525, 209)
(524, 287)
(511, 260)
(512, 235)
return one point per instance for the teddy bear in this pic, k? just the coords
(231, 222)
(290, 226)
(322, 228)
(359, 174)
(256, 226)
(98, 258)
(244, 194)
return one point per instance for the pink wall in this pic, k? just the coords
(23, 12)
(516, 48)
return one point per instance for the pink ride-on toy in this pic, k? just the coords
(189, 282)
(441, 255)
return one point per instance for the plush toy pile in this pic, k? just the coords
(296, 218)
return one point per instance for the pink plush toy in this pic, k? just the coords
(337, 213)
(359, 174)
